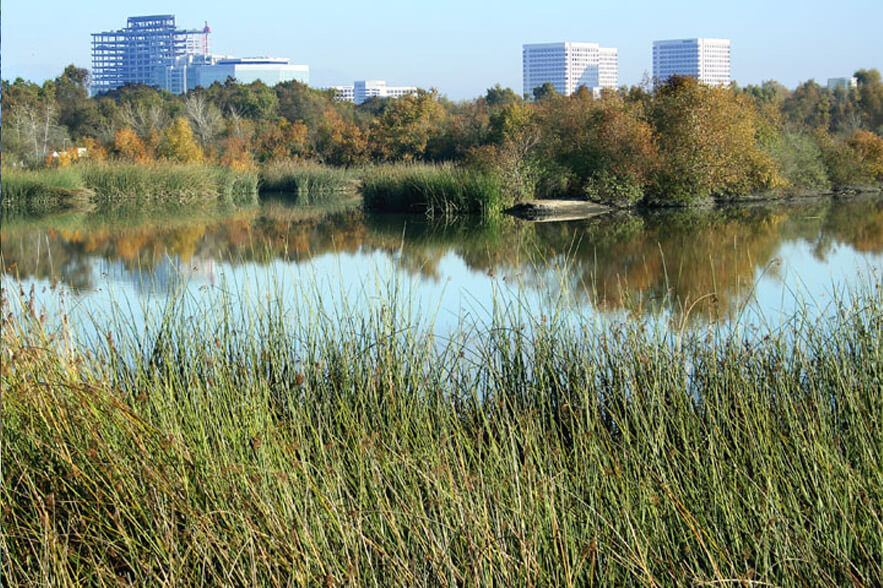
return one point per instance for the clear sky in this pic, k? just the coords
(463, 47)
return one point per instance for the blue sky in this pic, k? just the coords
(462, 47)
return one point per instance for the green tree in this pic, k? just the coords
(870, 89)
(544, 92)
(809, 105)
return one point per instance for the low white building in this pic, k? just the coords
(706, 60)
(363, 90)
(568, 65)
(191, 71)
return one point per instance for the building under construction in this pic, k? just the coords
(143, 52)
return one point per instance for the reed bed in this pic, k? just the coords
(263, 444)
(437, 190)
(312, 183)
(181, 182)
(42, 190)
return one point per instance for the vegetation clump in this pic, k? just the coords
(311, 182)
(437, 190)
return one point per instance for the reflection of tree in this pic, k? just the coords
(858, 224)
(651, 260)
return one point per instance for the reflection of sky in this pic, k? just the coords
(335, 285)
(804, 280)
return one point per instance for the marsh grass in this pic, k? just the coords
(256, 443)
(312, 183)
(43, 191)
(180, 182)
(436, 190)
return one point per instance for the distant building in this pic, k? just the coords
(142, 52)
(344, 93)
(706, 60)
(245, 70)
(364, 90)
(151, 50)
(569, 65)
(845, 83)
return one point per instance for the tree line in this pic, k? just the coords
(677, 143)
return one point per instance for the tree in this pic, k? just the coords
(707, 141)
(128, 145)
(30, 121)
(402, 131)
(870, 89)
(339, 142)
(544, 92)
(499, 96)
(603, 148)
(75, 111)
(178, 143)
(808, 105)
(205, 118)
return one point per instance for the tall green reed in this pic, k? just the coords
(255, 442)
(437, 190)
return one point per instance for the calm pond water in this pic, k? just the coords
(746, 263)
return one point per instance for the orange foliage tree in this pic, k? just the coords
(339, 142)
(128, 145)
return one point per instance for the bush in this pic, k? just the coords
(800, 162)
(620, 191)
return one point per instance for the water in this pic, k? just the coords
(750, 264)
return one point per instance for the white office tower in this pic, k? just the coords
(569, 65)
(707, 60)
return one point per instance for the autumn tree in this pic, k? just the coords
(178, 143)
(402, 131)
(281, 141)
(603, 147)
(707, 141)
(128, 145)
(339, 142)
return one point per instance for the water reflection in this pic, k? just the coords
(708, 260)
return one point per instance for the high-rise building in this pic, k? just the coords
(569, 65)
(142, 52)
(363, 90)
(707, 60)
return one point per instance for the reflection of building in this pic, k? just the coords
(845, 83)
(364, 90)
(141, 52)
(569, 65)
(707, 60)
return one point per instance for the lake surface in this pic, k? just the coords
(755, 263)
